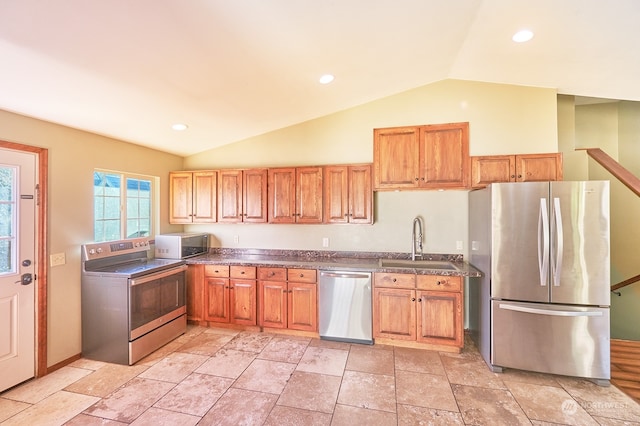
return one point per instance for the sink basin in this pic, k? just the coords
(417, 264)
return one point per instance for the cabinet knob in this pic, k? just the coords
(513, 176)
(301, 275)
(420, 300)
(241, 272)
(271, 273)
(394, 280)
(519, 176)
(417, 179)
(413, 299)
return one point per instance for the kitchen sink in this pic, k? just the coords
(417, 264)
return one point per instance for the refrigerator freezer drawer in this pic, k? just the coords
(556, 339)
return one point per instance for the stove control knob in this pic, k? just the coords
(99, 250)
(92, 251)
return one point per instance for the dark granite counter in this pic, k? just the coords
(330, 260)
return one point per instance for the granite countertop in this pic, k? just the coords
(330, 260)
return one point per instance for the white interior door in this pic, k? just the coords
(17, 266)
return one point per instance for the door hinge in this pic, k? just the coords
(37, 194)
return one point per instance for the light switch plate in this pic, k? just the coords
(57, 259)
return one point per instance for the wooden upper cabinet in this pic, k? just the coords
(444, 155)
(538, 167)
(295, 195)
(254, 195)
(193, 197)
(491, 169)
(230, 196)
(242, 195)
(396, 157)
(430, 156)
(309, 195)
(515, 168)
(348, 196)
(282, 195)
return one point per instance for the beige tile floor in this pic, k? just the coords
(215, 376)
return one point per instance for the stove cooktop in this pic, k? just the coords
(138, 267)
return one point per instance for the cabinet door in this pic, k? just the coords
(440, 318)
(243, 302)
(336, 194)
(538, 167)
(396, 157)
(195, 293)
(230, 196)
(272, 304)
(282, 195)
(180, 197)
(394, 313)
(255, 195)
(302, 309)
(204, 196)
(492, 168)
(360, 194)
(217, 299)
(444, 155)
(309, 194)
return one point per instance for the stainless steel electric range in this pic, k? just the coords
(131, 304)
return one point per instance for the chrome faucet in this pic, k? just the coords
(416, 239)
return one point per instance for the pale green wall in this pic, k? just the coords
(73, 155)
(613, 127)
(503, 119)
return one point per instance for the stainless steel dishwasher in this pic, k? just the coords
(344, 299)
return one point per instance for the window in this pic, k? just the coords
(122, 205)
(8, 211)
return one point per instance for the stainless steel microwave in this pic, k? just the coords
(181, 245)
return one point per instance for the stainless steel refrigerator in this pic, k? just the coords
(542, 303)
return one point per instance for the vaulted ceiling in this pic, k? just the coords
(232, 69)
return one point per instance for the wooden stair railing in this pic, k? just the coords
(621, 284)
(630, 180)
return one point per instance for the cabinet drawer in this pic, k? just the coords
(439, 283)
(383, 279)
(272, 274)
(216, 270)
(247, 272)
(301, 275)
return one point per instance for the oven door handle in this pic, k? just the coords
(157, 275)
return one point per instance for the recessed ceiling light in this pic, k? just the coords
(522, 36)
(326, 79)
(179, 127)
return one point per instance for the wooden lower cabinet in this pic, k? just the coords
(195, 293)
(287, 298)
(424, 309)
(230, 294)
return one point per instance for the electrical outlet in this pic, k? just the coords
(459, 245)
(57, 259)
(236, 239)
(325, 242)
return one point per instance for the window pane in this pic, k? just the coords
(5, 256)
(111, 208)
(6, 184)
(7, 220)
(111, 230)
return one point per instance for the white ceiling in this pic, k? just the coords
(233, 69)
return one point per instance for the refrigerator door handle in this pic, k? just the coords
(551, 312)
(556, 268)
(543, 242)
